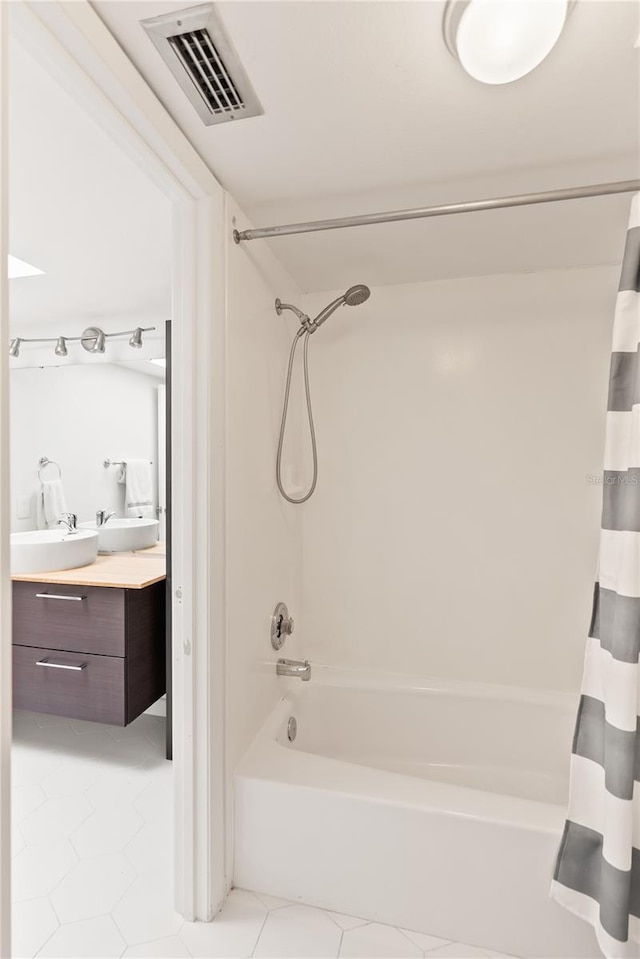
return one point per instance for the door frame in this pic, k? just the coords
(5, 583)
(80, 53)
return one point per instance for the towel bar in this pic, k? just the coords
(108, 463)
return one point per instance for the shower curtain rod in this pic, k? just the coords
(418, 213)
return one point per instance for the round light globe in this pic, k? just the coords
(498, 41)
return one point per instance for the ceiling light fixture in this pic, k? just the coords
(61, 347)
(93, 340)
(17, 268)
(498, 41)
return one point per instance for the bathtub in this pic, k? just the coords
(432, 806)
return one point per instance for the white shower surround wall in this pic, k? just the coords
(460, 431)
(436, 807)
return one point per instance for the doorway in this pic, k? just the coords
(124, 105)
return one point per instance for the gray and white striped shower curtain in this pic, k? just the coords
(597, 873)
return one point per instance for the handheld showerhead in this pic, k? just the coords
(354, 296)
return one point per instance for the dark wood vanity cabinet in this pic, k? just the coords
(88, 652)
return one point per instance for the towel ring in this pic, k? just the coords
(45, 461)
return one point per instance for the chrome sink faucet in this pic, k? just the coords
(103, 517)
(293, 667)
(69, 521)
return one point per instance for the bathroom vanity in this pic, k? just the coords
(89, 643)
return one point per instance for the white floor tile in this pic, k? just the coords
(169, 948)
(38, 869)
(151, 850)
(347, 922)
(45, 719)
(298, 931)
(25, 800)
(155, 730)
(55, 819)
(457, 950)
(114, 787)
(23, 720)
(146, 911)
(132, 751)
(376, 940)
(74, 775)
(29, 765)
(272, 902)
(81, 726)
(425, 942)
(155, 803)
(106, 830)
(17, 840)
(152, 727)
(33, 923)
(64, 739)
(92, 887)
(234, 931)
(98, 938)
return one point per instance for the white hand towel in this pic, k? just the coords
(51, 504)
(139, 489)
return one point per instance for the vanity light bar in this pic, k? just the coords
(92, 339)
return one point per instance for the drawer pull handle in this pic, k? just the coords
(75, 599)
(45, 662)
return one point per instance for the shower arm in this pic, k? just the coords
(306, 324)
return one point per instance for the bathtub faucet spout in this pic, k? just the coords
(293, 667)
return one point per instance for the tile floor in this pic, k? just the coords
(92, 863)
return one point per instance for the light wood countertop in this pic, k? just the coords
(118, 570)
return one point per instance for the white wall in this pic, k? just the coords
(263, 536)
(453, 532)
(80, 415)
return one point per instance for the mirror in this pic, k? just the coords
(80, 411)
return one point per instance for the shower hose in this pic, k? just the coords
(285, 409)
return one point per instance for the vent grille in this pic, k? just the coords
(200, 55)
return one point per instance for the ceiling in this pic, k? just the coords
(84, 213)
(366, 110)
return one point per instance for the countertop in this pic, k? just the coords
(134, 570)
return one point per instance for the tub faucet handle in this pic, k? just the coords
(281, 625)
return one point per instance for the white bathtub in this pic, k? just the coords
(434, 807)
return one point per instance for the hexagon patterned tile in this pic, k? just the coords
(92, 863)
(36, 870)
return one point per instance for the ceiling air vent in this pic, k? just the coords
(197, 50)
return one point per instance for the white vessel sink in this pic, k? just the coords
(122, 535)
(42, 550)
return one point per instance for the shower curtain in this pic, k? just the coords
(597, 874)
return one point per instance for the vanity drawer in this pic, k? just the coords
(76, 685)
(86, 619)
